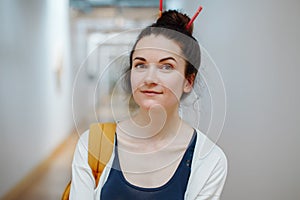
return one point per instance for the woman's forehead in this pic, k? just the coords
(159, 44)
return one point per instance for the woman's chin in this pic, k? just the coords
(150, 106)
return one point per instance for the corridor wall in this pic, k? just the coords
(35, 85)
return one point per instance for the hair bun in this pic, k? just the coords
(175, 20)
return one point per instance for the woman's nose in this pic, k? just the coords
(151, 75)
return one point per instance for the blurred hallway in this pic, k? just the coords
(44, 44)
(53, 175)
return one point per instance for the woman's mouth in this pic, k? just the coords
(151, 92)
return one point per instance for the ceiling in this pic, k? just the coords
(86, 5)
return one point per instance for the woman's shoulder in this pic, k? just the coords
(206, 149)
(83, 139)
(81, 151)
(209, 169)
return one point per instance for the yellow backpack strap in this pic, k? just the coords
(101, 143)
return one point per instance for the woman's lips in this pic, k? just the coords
(151, 92)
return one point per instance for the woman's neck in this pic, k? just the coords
(153, 125)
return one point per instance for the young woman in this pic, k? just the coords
(156, 155)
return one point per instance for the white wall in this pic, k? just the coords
(256, 46)
(35, 110)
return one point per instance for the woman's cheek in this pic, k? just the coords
(134, 81)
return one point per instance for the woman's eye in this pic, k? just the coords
(166, 67)
(140, 66)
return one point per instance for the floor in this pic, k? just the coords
(51, 185)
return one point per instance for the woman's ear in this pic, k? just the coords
(189, 82)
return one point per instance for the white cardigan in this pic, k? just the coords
(207, 178)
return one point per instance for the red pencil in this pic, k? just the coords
(194, 17)
(160, 7)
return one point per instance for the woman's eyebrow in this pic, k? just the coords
(139, 58)
(167, 58)
(161, 60)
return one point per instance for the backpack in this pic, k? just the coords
(99, 153)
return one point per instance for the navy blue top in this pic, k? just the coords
(118, 188)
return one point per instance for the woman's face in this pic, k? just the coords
(157, 74)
